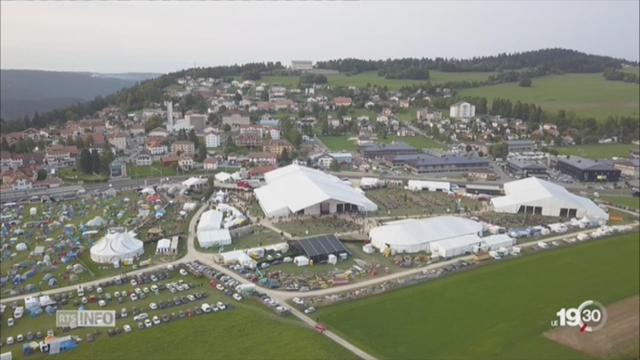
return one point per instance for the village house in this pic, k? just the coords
(235, 119)
(183, 147)
(61, 155)
(156, 146)
(278, 146)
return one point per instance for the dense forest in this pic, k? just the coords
(551, 60)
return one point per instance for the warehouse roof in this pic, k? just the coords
(535, 189)
(587, 164)
(297, 187)
(321, 245)
(412, 234)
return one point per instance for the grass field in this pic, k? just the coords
(499, 311)
(251, 332)
(625, 201)
(598, 151)
(155, 170)
(342, 143)
(585, 94)
(419, 142)
(371, 77)
(339, 143)
(221, 335)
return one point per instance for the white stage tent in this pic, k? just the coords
(536, 196)
(116, 246)
(413, 235)
(418, 185)
(295, 188)
(210, 231)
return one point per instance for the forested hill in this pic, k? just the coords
(551, 60)
(24, 92)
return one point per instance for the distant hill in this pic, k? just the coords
(24, 92)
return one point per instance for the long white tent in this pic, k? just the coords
(299, 189)
(535, 196)
(413, 235)
(116, 246)
(210, 232)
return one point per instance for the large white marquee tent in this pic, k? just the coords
(299, 189)
(413, 235)
(536, 196)
(116, 246)
(210, 232)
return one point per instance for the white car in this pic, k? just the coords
(18, 312)
(309, 310)
(205, 307)
(154, 288)
(134, 282)
(298, 301)
(102, 303)
(220, 287)
(221, 306)
(147, 323)
(133, 297)
(85, 300)
(123, 313)
(145, 290)
(126, 328)
(99, 290)
(191, 297)
(156, 320)
(183, 272)
(10, 322)
(140, 317)
(10, 340)
(19, 338)
(237, 297)
(153, 306)
(116, 294)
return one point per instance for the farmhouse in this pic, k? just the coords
(298, 189)
(540, 197)
(448, 234)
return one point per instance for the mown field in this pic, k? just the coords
(342, 143)
(599, 151)
(371, 77)
(585, 94)
(624, 201)
(496, 312)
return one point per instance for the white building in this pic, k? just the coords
(462, 110)
(213, 140)
(118, 245)
(535, 196)
(414, 235)
(210, 232)
(418, 185)
(495, 242)
(298, 189)
(119, 141)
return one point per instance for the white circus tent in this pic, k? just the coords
(116, 246)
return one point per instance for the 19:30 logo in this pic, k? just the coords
(588, 317)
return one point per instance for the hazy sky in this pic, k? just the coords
(168, 36)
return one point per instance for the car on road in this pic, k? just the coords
(309, 310)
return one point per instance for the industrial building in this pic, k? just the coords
(210, 231)
(445, 234)
(319, 248)
(427, 163)
(583, 169)
(526, 168)
(520, 146)
(296, 189)
(376, 151)
(539, 197)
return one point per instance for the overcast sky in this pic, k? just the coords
(166, 36)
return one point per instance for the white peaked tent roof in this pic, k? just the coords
(117, 244)
(535, 189)
(297, 187)
(210, 220)
(413, 235)
(210, 232)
